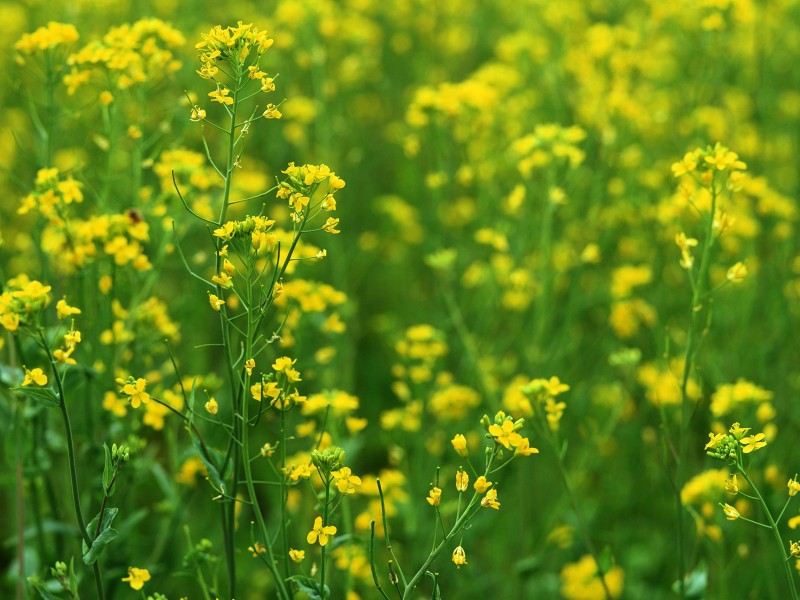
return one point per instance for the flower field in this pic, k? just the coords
(352, 299)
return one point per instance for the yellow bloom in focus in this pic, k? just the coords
(64, 310)
(481, 485)
(714, 439)
(505, 434)
(753, 443)
(137, 577)
(211, 406)
(221, 95)
(794, 486)
(460, 445)
(525, 448)
(249, 365)
(135, 390)
(434, 496)
(730, 513)
(346, 482)
(490, 500)
(198, 114)
(462, 480)
(215, 302)
(330, 225)
(36, 376)
(297, 555)
(459, 556)
(320, 533)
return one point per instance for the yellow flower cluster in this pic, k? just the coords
(50, 36)
(547, 144)
(128, 55)
(303, 187)
(232, 44)
(21, 302)
(51, 195)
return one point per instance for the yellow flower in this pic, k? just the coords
(221, 96)
(753, 442)
(346, 482)
(490, 500)
(211, 406)
(64, 310)
(272, 112)
(505, 434)
(215, 302)
(135, 390)
(297, 555)
(320, 533)
(249, 365)
(481, 485)
(462, 480)
(794, 486)
(36, 376)
(460, 445)
(434, 496)
(732, 485)
(330, 225)
(737, 273)
(137, 577)
(525, 448)
(714, 439)
(730, 513)
(459, 556)
(198, 114)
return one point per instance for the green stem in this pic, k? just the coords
(76, 500)
(688, 364)
(775, 532)
(325, 515)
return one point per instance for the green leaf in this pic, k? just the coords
(604, 560)
(47, 396)
(108, 468)
(40, 587)
(106, 535)
(309, 586)
(99, 544)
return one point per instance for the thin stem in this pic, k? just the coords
(76, 499)
(775, 532)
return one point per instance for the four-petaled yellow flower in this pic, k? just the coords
(459, 556)
(211, 406)
(732, 485)
(434, 496)
(320, 533)
(346, 482)
(137, 577)
(135, 391)
(753, 442)
(36, 376)
(505, 434)
(221, 96)
(297, 555)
